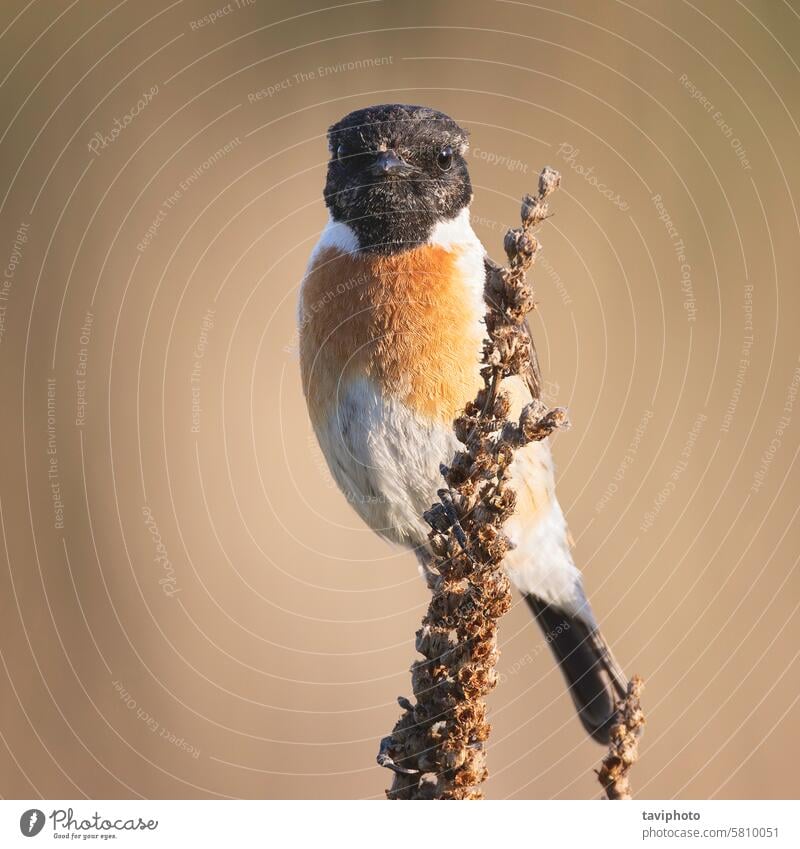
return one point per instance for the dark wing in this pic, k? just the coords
(533, 376)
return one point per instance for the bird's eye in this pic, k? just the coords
(445, 158)
(341, 152)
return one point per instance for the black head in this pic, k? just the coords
(395, 172)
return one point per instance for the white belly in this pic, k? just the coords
(386, 461)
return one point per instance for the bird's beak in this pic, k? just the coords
(388, 163)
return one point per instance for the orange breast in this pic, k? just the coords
(406, 321)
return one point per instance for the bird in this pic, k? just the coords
(391, 327)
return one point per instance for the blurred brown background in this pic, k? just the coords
(189, 607)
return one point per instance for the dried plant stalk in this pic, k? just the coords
(437, 747)
(623, 749)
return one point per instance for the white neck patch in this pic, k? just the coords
(337, 235)
(447, 234)
(454, 232)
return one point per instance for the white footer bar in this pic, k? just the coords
(395, 825)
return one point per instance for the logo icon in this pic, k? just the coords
(31, 822)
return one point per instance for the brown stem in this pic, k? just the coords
(437, 747)
(623, 750)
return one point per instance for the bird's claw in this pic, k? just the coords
(386, 760)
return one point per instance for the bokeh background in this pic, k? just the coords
(189, 606)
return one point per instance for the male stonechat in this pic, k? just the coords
(391, 331)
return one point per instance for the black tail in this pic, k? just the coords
(594, 678)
